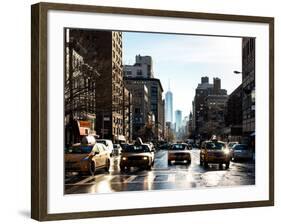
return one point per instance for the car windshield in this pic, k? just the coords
(81, 149)
(241, 147)
(215, 145)
(178, 147)
(137, 148)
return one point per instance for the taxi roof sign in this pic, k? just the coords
(214, 138)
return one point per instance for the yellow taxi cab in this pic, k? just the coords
(86, 158)
(138, 155)
(214, 151)
(179, 152)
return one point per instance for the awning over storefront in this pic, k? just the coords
(84, 127)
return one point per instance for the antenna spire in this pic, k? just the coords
(169, 85)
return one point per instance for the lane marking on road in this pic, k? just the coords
(160, 169)
(130, 179)
(171, 178)
(86, 180)
(150, 178)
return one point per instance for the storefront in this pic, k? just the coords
(76, 130)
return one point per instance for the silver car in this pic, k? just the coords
(242, 151)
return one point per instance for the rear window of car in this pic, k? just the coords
(137, 148)
(103, 142)
(178, 147)
(81, 149)
(240, 147)
(215, 145)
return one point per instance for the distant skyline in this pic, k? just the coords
(178, 120)
(184, 59)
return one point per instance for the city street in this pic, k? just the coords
(162, 176)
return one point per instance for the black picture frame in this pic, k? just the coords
(39, 106)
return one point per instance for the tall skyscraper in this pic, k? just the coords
(178, 117)
(169, 106)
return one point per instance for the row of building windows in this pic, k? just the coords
(117, 131)
(117, 120)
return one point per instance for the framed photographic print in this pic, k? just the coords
(139, 111)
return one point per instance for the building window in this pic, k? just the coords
(139, 72)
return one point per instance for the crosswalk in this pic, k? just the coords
(171, 177)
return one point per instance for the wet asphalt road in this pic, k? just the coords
(177, 176)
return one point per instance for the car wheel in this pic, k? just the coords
(220, 166)
(92, 169)
(148, 167)
(227, 165)
(107, 166)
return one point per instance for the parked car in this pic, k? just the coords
(86, 158)
(242, 151)
(179, 152)
(214, 151)
(108, 143)
(117, 149)
(139, 155)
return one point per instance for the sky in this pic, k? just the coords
(184, 59)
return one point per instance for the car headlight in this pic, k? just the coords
(226, 151)
(124, 158)
(144, 158)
